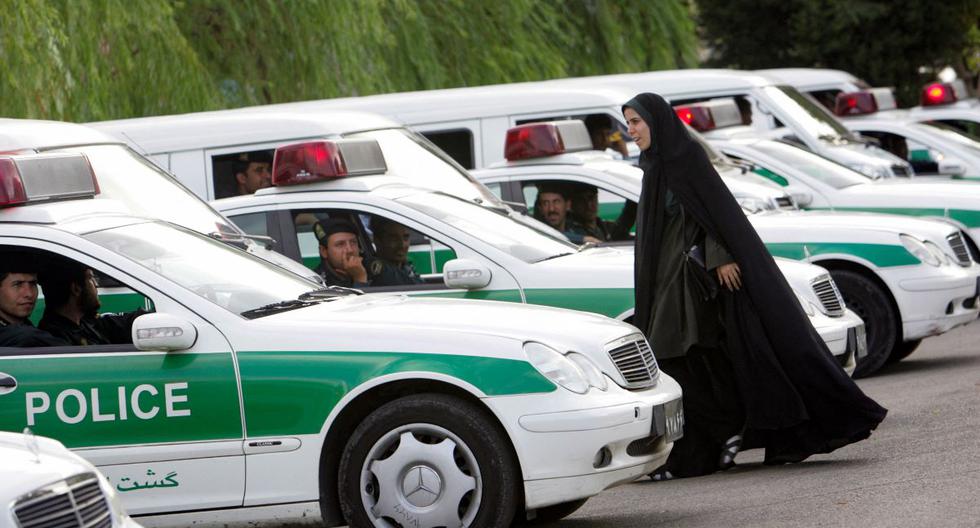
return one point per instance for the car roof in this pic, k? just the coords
(809, 76)
(453, 104)
(78, 215)
(20, 134)
(674, 82)
(222, 128)
(388, 185)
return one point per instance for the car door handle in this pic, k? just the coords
(7, 383)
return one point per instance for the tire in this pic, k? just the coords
(554, 513)
(866, 298)
(428, 460)
(902, 350)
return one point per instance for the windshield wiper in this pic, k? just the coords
(329, 292)
(276, 307)
(553, 257)
(587, 245)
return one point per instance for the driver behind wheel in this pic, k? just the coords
(71, 310)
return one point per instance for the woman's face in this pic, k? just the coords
(638, 128)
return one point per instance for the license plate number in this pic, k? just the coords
(668, 420)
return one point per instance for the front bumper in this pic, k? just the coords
(845, 337)
(558, 436)
(934, 305)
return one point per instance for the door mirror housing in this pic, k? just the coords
(160, 331)
(466, 274)
(952, 166)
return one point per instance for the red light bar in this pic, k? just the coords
(699, 117)
(938, 94)
(11, 184)
(325, 160)
(855, 103)
(45, 177)
(533, 140)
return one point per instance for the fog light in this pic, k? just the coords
(603, 458)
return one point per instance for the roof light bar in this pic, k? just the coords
(943, 93)
(45, 177)
(538, 140)
(326, 160)
(710, 115)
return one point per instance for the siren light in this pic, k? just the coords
(710, 115)
(538, 140)
(326, 160)
(45, 177)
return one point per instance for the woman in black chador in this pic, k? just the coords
(723, 321)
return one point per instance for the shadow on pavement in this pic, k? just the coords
(912, 364)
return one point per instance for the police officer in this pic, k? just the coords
(72, 305)
(584, 218)
(253, 171)
(341, 263)
(552, 207)
(18, 296)
(391, 266)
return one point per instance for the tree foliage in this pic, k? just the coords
(883, 41)
(87, 60)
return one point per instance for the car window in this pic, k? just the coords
(814, 166)
(458, 144)
(812, 117)
(241, 173)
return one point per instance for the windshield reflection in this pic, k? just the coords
(813, 118)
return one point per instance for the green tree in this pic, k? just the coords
(882, 41)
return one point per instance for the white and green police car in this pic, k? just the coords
(249, 393)
(484, 252)
(902, 292)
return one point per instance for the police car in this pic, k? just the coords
(946, 103)
(483, 253)
(873, 258)
(249, 393)
(932, 146)
(44, 484)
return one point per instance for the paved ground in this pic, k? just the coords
(920, 468)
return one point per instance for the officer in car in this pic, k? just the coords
(584, 218)
(72, 308)
(391, 266)
(341, 263)
(253, 171)
(18, 296)
(552, 207)
(605, 135)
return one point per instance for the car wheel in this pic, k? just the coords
(902, 350)
(554, 513)
(867, 299)
(428, 460)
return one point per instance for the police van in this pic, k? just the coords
(490, 255)
(867, 254)
(768, 107)
(250, 394)
(933, 141)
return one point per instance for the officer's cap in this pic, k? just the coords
(332, 226)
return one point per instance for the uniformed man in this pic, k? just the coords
(391, 266)
(72, 305)
(253, 171)
(584, 218)
(341, 263)
(18, 296)
(552, 207)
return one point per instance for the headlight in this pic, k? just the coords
(592, 373)
(557, 367)
(938, 252)
(807, 305)
(920, 250)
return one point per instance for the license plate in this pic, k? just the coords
(861, 340)
(668, 420)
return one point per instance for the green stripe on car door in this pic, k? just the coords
(881, 255)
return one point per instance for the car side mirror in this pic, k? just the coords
(160, 331)
(952, 166)
(466, 274)
(802, 199)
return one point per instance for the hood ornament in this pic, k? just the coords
(30, 441)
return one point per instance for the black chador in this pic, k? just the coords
(750, 360)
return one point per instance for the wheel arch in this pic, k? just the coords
(361, 401)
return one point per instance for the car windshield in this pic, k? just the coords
(146, 190)
(814, 119)
(412, 156)
(814, 166)
(955, 135)
(230, 278)
(499, 229)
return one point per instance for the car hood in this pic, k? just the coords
(912, 193)
(26, 468)
(851, 222)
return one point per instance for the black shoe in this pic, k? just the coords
(728, 451)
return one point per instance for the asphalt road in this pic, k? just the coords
(920, 468)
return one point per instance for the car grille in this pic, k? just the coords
(900, 170)
(830, 298)
(958, 245)
(76, 502)
(634, 360)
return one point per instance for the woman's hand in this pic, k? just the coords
(730, 276)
